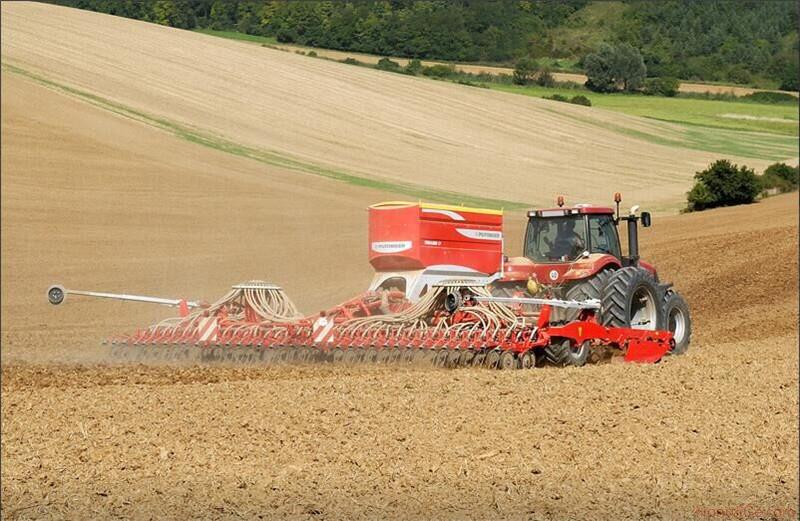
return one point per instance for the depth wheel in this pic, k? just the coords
(492, 359)
(528, 360)
(453, 358)
(508, 361)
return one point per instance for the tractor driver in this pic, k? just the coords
(568, 243)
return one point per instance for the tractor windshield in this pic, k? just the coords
(555, 239)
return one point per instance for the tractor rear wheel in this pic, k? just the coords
(632, 298)
(679, 323)
(587, 289)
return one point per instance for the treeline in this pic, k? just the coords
(722, 40)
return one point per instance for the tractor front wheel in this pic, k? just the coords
(679, 323)
(563, 353)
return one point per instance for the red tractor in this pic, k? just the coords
(574, 253)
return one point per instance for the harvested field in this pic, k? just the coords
(98, 200)
(497, 70)
(334, 119)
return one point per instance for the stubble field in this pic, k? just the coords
(333, 119)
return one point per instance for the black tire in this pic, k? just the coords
(632, 298)
(591, 288)
(678, 320)
(563, 353)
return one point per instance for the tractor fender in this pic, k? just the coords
(519, 269)
(649, 267)
(592, 265)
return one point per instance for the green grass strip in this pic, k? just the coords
(269, 157)
(753, 145)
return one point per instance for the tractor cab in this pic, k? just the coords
(567, 234)
(565, 244)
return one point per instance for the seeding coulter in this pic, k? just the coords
(444, 292)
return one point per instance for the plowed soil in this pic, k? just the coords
(98, 201)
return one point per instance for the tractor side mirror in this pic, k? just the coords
(646, 219)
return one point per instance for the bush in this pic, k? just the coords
(781, 177)
(739, 74)
(385, 64)
(351, 61)
(313, 54)
(770, 97)
(545, 78)
(581, 100)
(557, 97)
(439, 71)
(661, 87)
(723, 184)
(524, 70)
(716, 96)
(470, 83)
(413, 67)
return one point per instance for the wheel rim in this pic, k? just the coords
(677, 324)
(644, 310)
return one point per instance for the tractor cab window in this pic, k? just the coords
(603, 235)
(555, 239)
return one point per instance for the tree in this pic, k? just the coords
(173, 13)
(614, 68)
(723, 184)
(524, 70)
(600, 70)
(629, 67)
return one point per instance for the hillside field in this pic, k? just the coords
(423, 139)
(126, 169)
